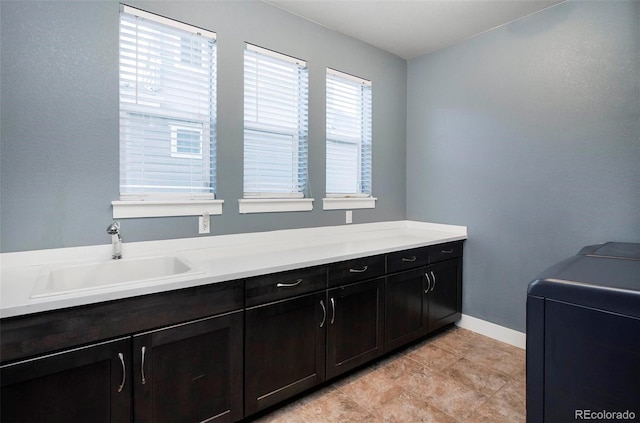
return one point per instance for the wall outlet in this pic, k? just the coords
(349, 216)
(204, 224)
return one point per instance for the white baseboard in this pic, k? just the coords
(500, 333)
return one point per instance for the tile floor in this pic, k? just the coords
(457, 376)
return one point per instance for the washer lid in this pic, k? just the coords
(605, 277)
(624, 250)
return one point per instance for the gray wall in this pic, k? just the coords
(59, 119)
(529, 134)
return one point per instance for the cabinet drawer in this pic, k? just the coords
(446, 251)
(277, 286)
(407, 259)
(34, 334)
(356, 270)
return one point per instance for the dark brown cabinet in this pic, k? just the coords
(299, 342)
(87, 384)
(424, 299)
(190, 372)
(187, 372)
(406, 308)
(355, 325)
(445, 293)
(284, 349)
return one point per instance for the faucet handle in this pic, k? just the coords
(113, 228)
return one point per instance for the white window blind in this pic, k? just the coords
(275, 124)
(348, 135)
(167, 108)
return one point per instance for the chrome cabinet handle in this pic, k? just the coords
(434, 281)
(426, 291)
(364, 269)
(144, 350)
(289, 285)
(446, 251)
(124, 372)
(333, 310)
(409, 259)
(324, 313)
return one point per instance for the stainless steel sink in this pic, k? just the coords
(64, 279)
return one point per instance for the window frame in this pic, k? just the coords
(356, 199)
(293, 197)
(155, 204)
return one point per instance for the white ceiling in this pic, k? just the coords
(412, 28)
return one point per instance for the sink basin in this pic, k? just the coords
(57, 280)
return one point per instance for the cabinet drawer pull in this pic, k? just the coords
(364, 269)
(324, 313)
(144, 350)
(446, 251)
(289, 285)
(409, 259)
(333, 310)
(426, 275)
(434, 281)
(124, 372)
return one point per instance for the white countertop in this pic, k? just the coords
(213, 258)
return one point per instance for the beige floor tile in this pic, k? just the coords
(286, 414)
(512, 395)
(407, 408)
(335, 406)
(476, 376)
(371, 389)
(456, 341)
(402, 368)
(408, 376)
(451, 396)
(345, 380)
(507, 347)
(495, 356)
(431, 356)
(494, 412)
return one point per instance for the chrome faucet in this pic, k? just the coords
(116, 240)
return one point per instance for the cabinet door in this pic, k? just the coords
(355, 326)
(89, 384)
(406, 308)
(190, 372)
(445, 293)
(284, 349)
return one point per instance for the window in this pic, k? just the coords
(186, 142)
(348, 143)
(275, 125)
(167, 109)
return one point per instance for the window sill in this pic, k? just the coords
(138, 208)
(269, 205)
(346, 203)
